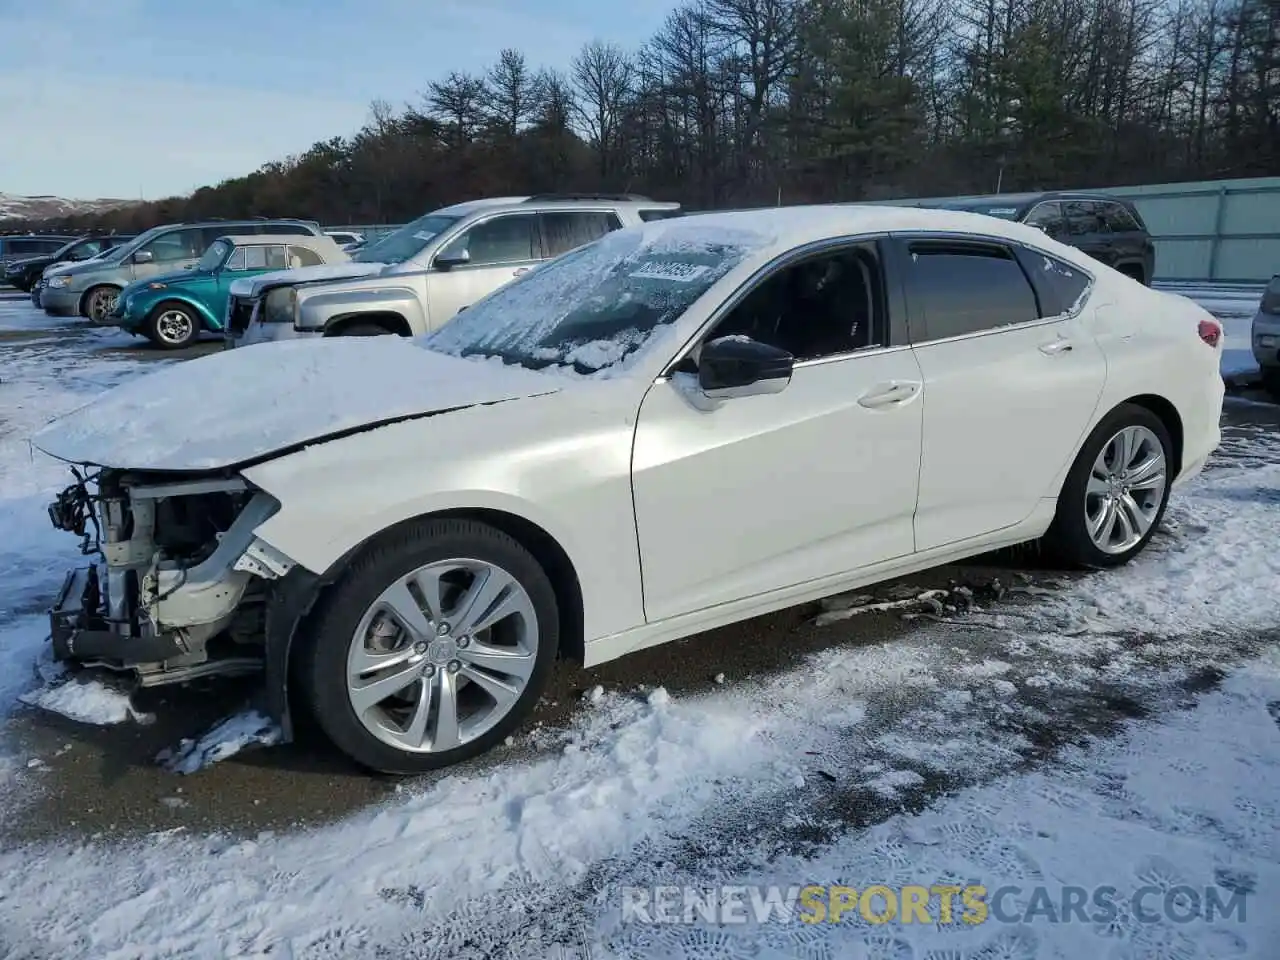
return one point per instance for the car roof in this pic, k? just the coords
(555, 202)
(789, 227)
(258, 239)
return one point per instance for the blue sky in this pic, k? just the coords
(150, 98)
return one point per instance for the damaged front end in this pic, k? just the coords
(178, 585)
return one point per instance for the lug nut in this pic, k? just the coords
(430, 671)
(420, 647)
(443, 629)
(454, 666)
(464, 641)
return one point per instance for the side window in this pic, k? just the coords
(177, 245)
(19, 247)
(562, 232)
(967, 287)
(237, 260)
(303, 257)
(255, 258)
(1058, 284)
(282, 229)
(1081, 217)
(277, 259)
(650, 215)
(49, 246)
(822, 306)
(1048, 217)
(500, 240)
(1118, 218)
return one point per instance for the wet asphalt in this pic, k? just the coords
(105, 780)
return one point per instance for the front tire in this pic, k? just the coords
(172, 326)
(431, 648)
(1116, 492)
(99, 302)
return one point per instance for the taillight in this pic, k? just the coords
(1210, 332)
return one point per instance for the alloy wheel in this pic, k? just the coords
(174, 327)
(101, 304)
(442, 655)
(1126, 488)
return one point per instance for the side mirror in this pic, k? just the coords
(143, 256)
(737, 366)
(446, 261)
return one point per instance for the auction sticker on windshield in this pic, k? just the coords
(679, 272)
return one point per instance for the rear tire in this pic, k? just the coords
(1116, 492)
(451, 650)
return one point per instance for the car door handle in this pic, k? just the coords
(1054, 347)
(520, 272)
(886, 394)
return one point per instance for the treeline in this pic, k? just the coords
(750, 102)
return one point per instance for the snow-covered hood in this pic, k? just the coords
(238, 406)
(250, 287)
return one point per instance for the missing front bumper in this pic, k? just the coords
(80, 631)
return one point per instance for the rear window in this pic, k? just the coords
(650, 215)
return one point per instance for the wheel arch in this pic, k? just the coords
(298, 592)
(390, 320)
(1168, 415)
(83, 306)
(203, 316)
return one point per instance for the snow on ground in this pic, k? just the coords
(813, 776)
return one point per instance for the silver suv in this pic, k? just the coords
(90, 289)
(416, 279)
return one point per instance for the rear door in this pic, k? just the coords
(1087, 230)
(1011, 381)
(499, 249)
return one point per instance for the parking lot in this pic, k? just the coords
(783, 738)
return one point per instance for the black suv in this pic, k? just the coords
(1109, 229)
(25, 273)
(17, 246)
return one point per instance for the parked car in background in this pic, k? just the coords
(26, 273)
(1265, 335)
(347, 239)
(90, 289)
(172, 309)
(21, 246)
(54, 269)
(416, 279)
(1109, 229)
(680, 426)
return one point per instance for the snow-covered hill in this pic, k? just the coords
(14, 207)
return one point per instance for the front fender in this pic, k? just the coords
(317, 309)
(142, 305)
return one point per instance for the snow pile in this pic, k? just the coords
(225, 740)
(88, 701)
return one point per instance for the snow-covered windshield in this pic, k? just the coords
(400, 245)
(593, 307)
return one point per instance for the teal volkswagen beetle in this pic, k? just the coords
(173, 309)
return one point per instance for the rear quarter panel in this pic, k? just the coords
(1153, 348)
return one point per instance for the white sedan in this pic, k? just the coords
(679, 426)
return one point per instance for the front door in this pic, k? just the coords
(498, 250)
(767, 492)
(1009, 390)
